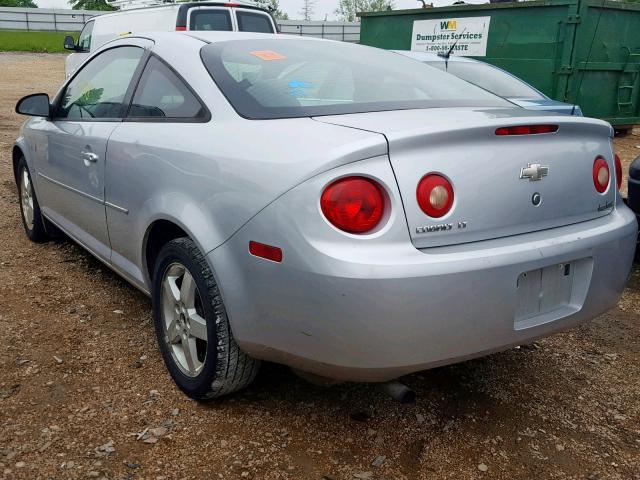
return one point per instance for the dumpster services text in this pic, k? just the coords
(468, 34)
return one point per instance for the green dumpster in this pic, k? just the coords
(577, 51)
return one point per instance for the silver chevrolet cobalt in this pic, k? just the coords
(343, 210)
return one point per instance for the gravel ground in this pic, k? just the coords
(84, 393)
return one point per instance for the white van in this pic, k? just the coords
(180, 17)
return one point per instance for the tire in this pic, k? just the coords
(208, 368)
(32, 219)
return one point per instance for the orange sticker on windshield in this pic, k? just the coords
(267, 55)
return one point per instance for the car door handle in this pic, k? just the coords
(89, 157)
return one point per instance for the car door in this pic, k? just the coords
(152, 156)
(71, 173)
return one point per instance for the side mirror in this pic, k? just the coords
(69, 43)
(36, 105)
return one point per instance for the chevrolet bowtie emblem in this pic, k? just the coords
(534, 171)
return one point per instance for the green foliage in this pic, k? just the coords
(24, 41)
(347, 9)
(90, 97)
(18, 3)
(90, 5)
(274, 7)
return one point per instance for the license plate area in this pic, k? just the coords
(551, 292)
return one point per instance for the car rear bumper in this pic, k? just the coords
(406, 310)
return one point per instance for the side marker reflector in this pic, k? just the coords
(262, 250)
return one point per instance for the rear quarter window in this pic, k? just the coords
(160, 94)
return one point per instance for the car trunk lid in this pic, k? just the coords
(491, 198)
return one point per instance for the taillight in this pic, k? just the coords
(618, 165)
(181, 29)
(601, 175)
(526, 129)
(435, 195)
(353, 204)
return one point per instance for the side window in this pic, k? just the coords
(84, 41)
(254, 22)
(98, 90)
(210, 19)
(161, 94)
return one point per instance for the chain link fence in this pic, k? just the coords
(45, 19)
(343, 31)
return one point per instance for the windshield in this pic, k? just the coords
(285, 78)
(489, 78)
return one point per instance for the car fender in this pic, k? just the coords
(22, 145)
(176, 208)
(295, 223)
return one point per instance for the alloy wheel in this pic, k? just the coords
(26, 198)
(185, 328)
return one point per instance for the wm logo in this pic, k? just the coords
(448, 25)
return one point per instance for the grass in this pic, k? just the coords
(22, 41)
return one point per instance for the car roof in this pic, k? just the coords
(432, 57)
(164, 39)
(223, 36)
(185, 39)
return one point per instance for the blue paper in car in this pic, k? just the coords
(298, 87)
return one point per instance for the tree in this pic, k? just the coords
(274, 7)
(18, 3)
(347, 9)
(308, 7)
(90, 5)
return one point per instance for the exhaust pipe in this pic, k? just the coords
(399, 392)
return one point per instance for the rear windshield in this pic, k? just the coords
(210, 19)
(489, 78)
(253, 22)
(283, 78)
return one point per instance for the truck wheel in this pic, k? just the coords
(192, 327)
(29, 207)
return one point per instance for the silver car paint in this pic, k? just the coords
(462, 144)
(367, 307)
(64, 177)
(380, 308)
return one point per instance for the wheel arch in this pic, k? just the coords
(160, 231)
(16, 153)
